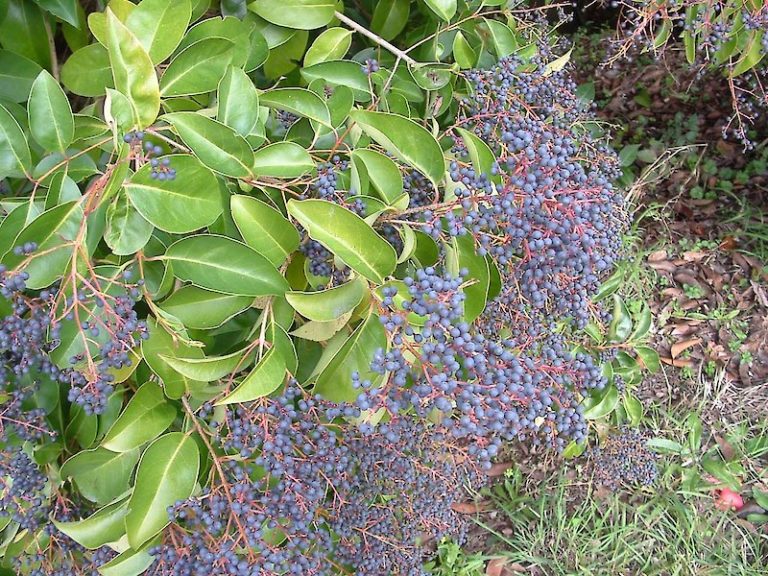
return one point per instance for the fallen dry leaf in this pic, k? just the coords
(470, 507)
(678, 362)
(499, 468)
(502, 567)
(679, 347)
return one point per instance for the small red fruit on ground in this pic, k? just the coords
(726, 499)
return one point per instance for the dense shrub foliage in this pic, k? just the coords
(263, 318)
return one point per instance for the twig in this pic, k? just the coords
(376, 38)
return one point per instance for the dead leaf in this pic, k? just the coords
(470, 507)
(679, 347)
(725, 448)
(657, 256)
(499, 469)
(502, 567)
(678, 362)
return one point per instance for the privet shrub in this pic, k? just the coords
(268, 319)
(728, 36)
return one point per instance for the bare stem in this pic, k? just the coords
(376, 38)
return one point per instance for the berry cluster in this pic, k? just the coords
(624, 458)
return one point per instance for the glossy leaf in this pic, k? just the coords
(238, 102)
(127, 231)
(167, 473)
(209, 368)
(101, 475)
(23, 30)
(132, 71)
(202, 309)
(465, 257)
(147, 415)
(15, 158)
(282, 160)
(332, 44)
(162, 343)
(298, 101)
(346, 235)
(299, 14)
(328, 305)
(64, 9)
(106, 525)
(128, 563)
(335, 381)
(216, 145)
(481, 155)
(54, 232)
(405, 139)
(198, 68)
(264, 229)
(340, 73)
(621, 322)
(17, 74)
(445, 9)
(605, 404)
(187, 203)
(265, 378)
(382, 173)
(87, 71)
(224, 265)
(390, 17)
(160, 25)
(650, 358)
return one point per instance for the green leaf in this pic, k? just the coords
(605, 403)
(202, 309)
(642, 325)
(15, 158)
(665, 445)
(147, 415)
(132, 71)
(87, 71)
(64, 9)
(167, 473)
(502, 38)
(209, 368)
(216, 145)
(634, 409)
(187, 203)
(390, 17)
(482, 158)
(238, 102)
(445, 9)
(752, 53)
(321, 331)
(299, 101)
(621, 322)
(198, 68)
(574, 449)
(62, 190)
(128, 563)
(694, 432)
(405, 139)
(346, 235)
(264, 229)
(106, 525)
(23, 31)
(719, 470)
(224, 265)
(100, 474)
(265, 378)
(327, 305)
(340, 73)
(463, 53)
(650, 358)
(297, 14)
(335, 381)
(761, 497)
(161, 343)
(332, 44)
(127, 231)
(54, 231)
(282, 160)
(17, 74)
(382, 172)
(250, 48)
(160, 25)
(463, 251)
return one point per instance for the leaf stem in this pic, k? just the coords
(376, 38)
